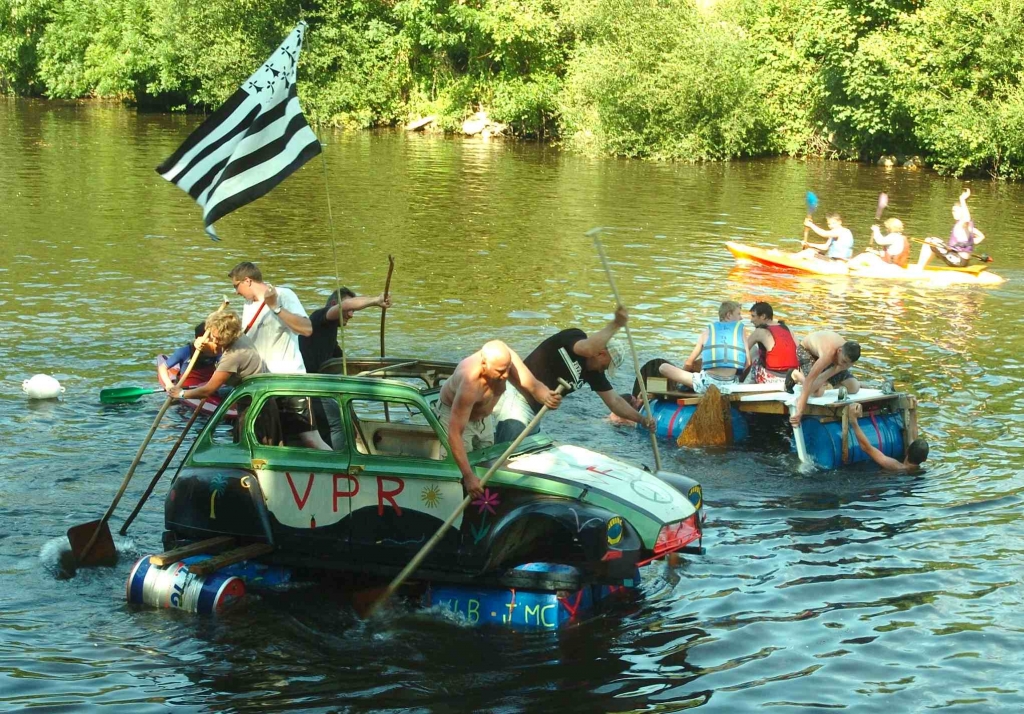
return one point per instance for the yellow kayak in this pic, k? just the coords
(795, 263)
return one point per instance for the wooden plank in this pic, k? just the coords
(846, 435)
(762, 407)
(211, 545)
(657, 384)
(230, 557)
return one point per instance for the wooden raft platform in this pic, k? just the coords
(772, 400)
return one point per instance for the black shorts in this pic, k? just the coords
(807, 361)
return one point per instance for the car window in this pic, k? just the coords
(389, 428)
(301, 422)
(226, 430)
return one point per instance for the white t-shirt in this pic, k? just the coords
(277, 345)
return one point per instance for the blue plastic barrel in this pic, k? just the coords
(672, 418)
(175, 587)
(825, 439)
(524, 609)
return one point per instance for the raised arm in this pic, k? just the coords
(355, 304)
(886, 462)
(294, 319)
(523, 380)
(599, 340)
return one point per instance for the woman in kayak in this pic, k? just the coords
(896, 247)
(838, 243)
(962, 239)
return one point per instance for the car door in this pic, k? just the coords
(307, 491)
(408, 484)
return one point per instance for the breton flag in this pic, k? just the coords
(249, 145)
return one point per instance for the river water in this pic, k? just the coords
(854, 590)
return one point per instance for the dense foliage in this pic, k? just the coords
(667, 79)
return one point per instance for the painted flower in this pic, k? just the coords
(431, 496)
(487, 501)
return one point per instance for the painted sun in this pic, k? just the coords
(431, 496)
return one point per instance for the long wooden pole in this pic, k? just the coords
(138, 455)
(436, 538)
(163, 467)
(596, 233)
(334, 250)
(384, 310)
(383, 317)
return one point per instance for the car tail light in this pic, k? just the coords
(674, 536)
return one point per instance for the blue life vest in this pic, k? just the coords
(724, 346)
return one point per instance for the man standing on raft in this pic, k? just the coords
(825, 358)
(579, 360)
(466, 404)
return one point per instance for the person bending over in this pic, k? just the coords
(578, 359)
(825, 359)
(466, 404)
(238, 356)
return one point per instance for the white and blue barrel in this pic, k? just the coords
(175, 587)
(824, 440)
(671, 418)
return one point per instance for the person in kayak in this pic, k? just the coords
(962, 239)
(771, 346)
(838, 243)
(825, 359)
(916, 454)
(722, 347)
(201, 372)
(896, 247)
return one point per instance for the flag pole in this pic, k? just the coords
(334, 249)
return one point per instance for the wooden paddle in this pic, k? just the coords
(595, 233)
(383, 316)
(883, 201)
(812, 205)
(436, 538)
(163, 467)
(94, 538)
(944, 252)
(384, 310)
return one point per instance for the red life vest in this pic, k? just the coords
(783, 355)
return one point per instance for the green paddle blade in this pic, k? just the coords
(125, 395)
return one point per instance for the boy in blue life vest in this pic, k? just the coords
(722, 347)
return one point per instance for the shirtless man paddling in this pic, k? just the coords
(468, 398)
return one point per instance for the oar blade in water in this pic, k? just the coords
(103, 551)
(125, 395)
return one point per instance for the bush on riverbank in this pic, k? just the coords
(673, 79)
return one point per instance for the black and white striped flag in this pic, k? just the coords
(250, 144)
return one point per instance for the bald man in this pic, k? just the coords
(468, 397)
